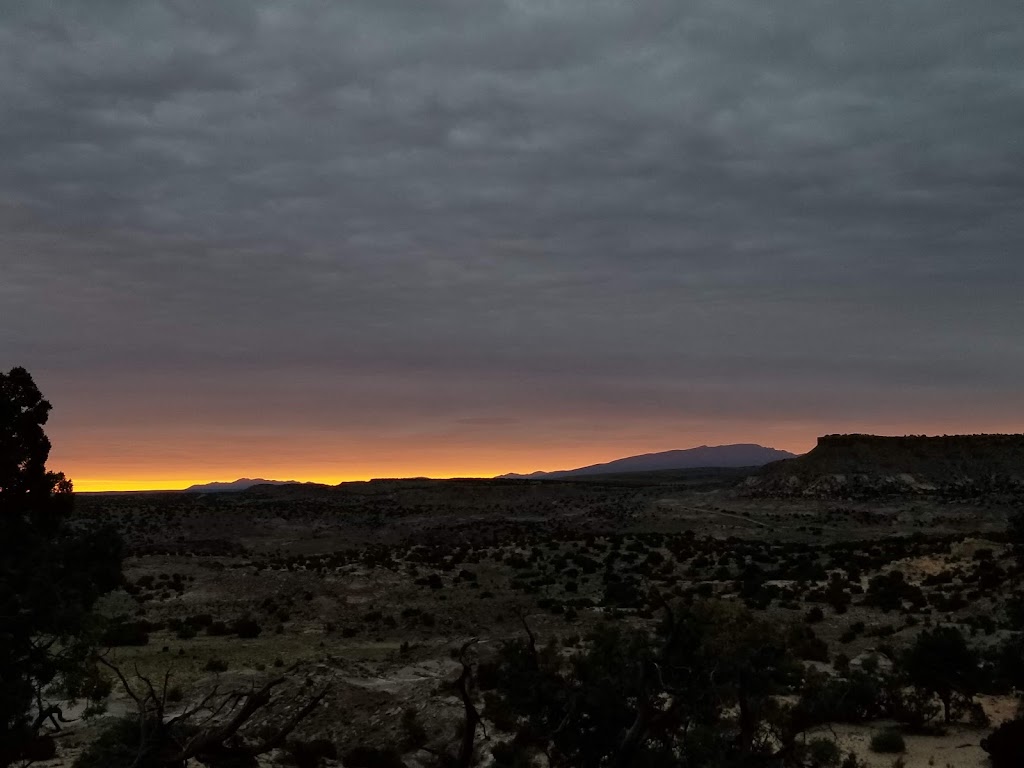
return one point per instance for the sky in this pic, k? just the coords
(340, 240)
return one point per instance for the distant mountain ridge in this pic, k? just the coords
(871, 465)
(241, 484)
(736, 455)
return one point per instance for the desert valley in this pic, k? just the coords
(376, 596)
(511, 384)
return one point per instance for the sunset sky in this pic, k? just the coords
(339, 240)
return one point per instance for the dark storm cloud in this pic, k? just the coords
(735, 201)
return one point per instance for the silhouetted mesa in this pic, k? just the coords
(869, 465)
(738, 455)
(242, 484)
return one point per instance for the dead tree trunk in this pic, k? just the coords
(217, 738)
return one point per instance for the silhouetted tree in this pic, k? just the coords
(50, 577)
(942, 664)
(836, 593)
(445, 756)
(701, 691)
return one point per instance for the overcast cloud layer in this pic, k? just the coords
(460, 211)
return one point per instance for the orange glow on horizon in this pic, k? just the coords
(97, 478)
(98, 485)
(87, 483)
(148, 431)
(101, 484)
(156, 481)
(121, 459)
(156, 468)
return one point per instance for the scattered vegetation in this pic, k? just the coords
(621, 622)
(888, 742)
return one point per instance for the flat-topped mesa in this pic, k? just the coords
(872, 465)
(943, 442)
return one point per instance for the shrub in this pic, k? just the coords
(124, 633)
(914, 708)
(823, 753)
(216, 665)
(977, 716)
(1005, 745)
(217, 629)
(888, 742)
(246, 628)
(856, 699)
(805, 645)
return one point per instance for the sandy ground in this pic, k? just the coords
(959, 748)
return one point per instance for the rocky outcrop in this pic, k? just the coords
(849, 466)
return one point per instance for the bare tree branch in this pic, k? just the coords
(208, 739)
(473, 719)
(188, 713)
(278, 739)
(534, 654)
(124, 681)
(240, 706)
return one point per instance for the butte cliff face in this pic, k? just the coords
(868, 465)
